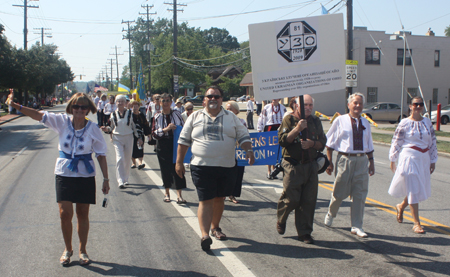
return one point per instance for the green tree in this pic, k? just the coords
(447, 31)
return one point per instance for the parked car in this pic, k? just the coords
(445, 115)
(233, 98)
(379, 111)
(242, 98)
(197, 99)
(184, 99)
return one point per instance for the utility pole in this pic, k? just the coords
(175, 47)
(349, 90)
(107, 77)
(111, 85)
(49, 35)
(25, 30)
(149, 47)
(117, 63)
(128, 36)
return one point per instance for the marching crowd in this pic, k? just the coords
(212, 133)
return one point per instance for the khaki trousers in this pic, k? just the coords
(300, 186)
(352, 179)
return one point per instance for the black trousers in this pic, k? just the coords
(250, 120)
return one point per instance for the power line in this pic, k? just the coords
(128, 36)
(25, 7)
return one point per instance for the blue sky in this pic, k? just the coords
(87, 31)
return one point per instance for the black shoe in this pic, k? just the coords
(206, 243)
(141, 166)
(281, 228)
(306, 239)
(269, 177)
(275, 177)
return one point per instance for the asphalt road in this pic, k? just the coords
(140, 235)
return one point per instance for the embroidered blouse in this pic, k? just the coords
(75, 142)
(109, 108)
(161, 121)
(411, 133)
(270, 115)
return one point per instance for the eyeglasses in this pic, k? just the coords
(189, 109)
(156, 98)
(76, 107)
(213, 96)
(166, 100)
(421, 104)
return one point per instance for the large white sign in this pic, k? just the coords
(298, 56)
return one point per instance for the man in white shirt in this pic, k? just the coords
(250, 113)
(351, 137)
(212, 134)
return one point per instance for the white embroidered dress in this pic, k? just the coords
(412, 177)
(75, 142)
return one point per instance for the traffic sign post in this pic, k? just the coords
(351, 73)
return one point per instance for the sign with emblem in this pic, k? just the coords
(298, 56)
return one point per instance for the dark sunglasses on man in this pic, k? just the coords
(213, 96)
(418, 104)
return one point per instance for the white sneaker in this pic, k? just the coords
(328, 220)
(359, 232)
(126, 183)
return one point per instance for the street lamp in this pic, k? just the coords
(395, 37)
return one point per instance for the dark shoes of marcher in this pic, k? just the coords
(281, 228)
(205, 243)
(306, 239)
(217, 233)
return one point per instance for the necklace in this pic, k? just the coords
(75, 133)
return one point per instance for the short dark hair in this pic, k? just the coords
(166, 95)
(215, 88)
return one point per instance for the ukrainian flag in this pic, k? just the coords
(123, 88)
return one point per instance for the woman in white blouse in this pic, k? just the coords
(163, 127)
(110, 107)
(414, 145)
(75, 169)
(123, 129)
(100, 107)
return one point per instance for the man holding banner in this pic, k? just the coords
(212, 134)
(300, 182)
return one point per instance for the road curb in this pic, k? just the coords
(11, 119)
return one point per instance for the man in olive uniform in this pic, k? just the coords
(300, 182)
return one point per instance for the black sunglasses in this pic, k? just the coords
(82, 107)
(213, 96)
(190, 109)
(421, 104)
(166, 100)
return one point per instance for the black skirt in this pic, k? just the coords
(137, 153)
(75, 189)
(164, 151)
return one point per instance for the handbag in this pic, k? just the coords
(322, 162)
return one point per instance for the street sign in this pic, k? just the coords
(175, 78)
(351, 73)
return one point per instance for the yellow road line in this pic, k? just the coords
(390, 209)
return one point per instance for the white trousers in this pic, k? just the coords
(123, 144)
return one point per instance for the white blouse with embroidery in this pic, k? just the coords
(414, 133)
(75, 142)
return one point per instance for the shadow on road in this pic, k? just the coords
(113, 269)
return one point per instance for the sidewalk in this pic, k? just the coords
(8, 117)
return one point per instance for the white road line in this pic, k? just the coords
(379, 162)
(219, 249)
(277, 186)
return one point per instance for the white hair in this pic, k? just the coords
(352, 96)
(121, 97)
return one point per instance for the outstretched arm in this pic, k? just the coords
(34, 114)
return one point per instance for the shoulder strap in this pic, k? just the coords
(115, 117)
(129, 117)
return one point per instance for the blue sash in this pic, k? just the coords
(73, 166)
